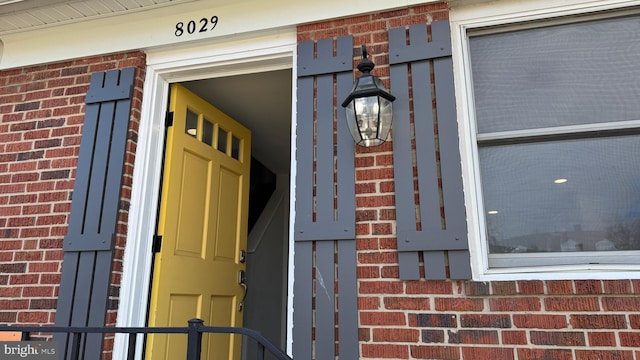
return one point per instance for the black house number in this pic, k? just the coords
(193, 26)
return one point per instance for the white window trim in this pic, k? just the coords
(462, 19)
(268, 52)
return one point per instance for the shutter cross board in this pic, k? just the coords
(442, 231)
(325, 205)
(88, 245)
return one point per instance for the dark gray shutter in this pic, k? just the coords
(435, 225)
(88, 246)
(325, 245)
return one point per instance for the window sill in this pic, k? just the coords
(561, 272)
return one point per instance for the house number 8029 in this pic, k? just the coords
(193, 26)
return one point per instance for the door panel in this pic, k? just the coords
(203, 224)
(180, 307)
(193, 204)
(221, 311)
(230, 184)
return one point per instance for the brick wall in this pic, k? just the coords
(582, 319)
(41, 115)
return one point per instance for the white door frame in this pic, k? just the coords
(268, 51)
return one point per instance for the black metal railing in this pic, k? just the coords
(194, 331)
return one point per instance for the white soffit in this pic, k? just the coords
(147, 24)
(21, 15)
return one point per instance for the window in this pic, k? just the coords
(555, 116)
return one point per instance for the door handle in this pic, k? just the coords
(242, 281)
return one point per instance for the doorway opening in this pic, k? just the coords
(262, 103)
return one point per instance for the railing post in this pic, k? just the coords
(194, 339)
(260, 352)
(131, 350)
(74, 343)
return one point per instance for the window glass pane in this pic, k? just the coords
(222, 140)
(235, 148)
(560, 75)
(207, 132)
(576, 195)
(191, 127)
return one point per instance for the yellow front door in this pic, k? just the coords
(203, 224)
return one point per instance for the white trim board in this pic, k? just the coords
(264, 53)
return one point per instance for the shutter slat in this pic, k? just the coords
(324, 153)
(409, 266)
(84, 285)
(425, 155)
(346, 205)
(67, 286)
(456, 225)
(99, 298)
(459, 264)
(402, 164)
(324, 133)
(347, 299)
(117, 152)
(302, 301)
(96, 195)
(77, 282)
(402, 159)
(304, 155)
(434, 265)
(83, 172)
(325, 300)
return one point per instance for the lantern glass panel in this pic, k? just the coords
(367, 82)
(367, 110)
(379, 84)
(386, 113)
(351, 122)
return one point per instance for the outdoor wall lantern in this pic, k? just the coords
(368, 106)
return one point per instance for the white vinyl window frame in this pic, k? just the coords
(465, 19)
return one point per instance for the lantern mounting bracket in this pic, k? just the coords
(365, 66)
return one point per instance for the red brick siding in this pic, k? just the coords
(464, 322)
(41, 115)
(581, 319)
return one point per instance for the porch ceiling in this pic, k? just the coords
(24, 15)
(261, 102)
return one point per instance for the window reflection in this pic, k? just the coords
(191, 125)
(207, 132)
(530, 209)
(222, 140)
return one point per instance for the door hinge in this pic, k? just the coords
(157, 243)
(168, 120)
